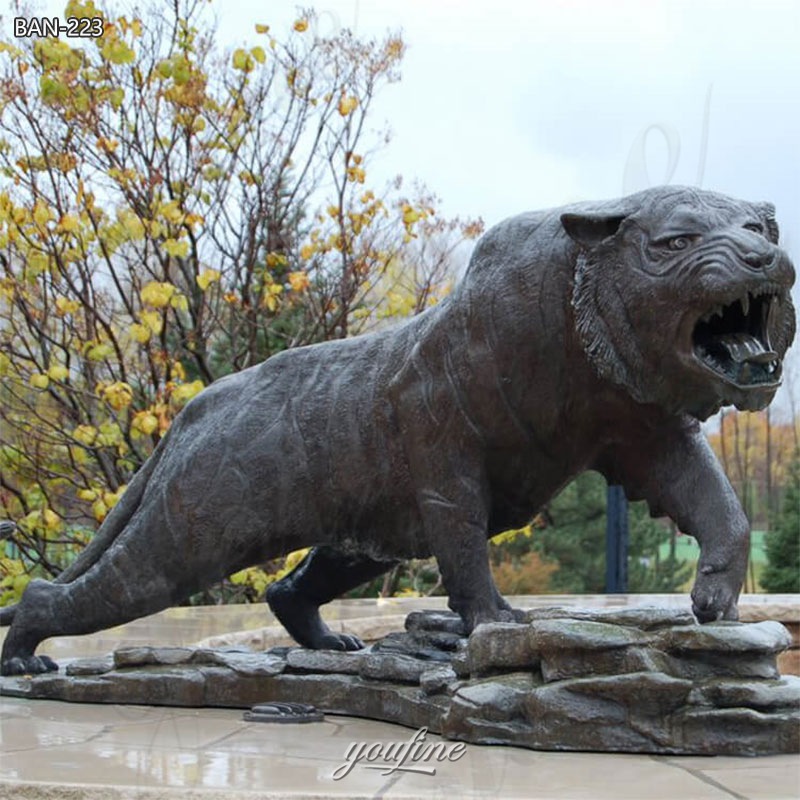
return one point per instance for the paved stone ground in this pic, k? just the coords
(60, 750)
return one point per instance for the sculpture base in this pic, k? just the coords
(632, 680)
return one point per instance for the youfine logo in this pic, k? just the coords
(414, 755)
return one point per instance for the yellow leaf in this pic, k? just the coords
(295, 557)
(41, 213)
(177, 372)
(107, 145)
(172, 212)
(31, 521)
(239, 578)
(82, 9)
(116, 97)
(179, 249)
(112, 498)
(52, 90)
(118, 395)
(259, 54)
(39, 381)
(109, 434)
(262, 28)
(157, 294)
(145, 422)
(52, 521)
(276, 260)
(66, 306)
(207, 277)
(58, 372)
(301, 25)
(117, 52)
(306, 251)
(37, 263)
(19, 584)
(356, 174)
(79, 455)
(410, 215)
(99, 509)
(299, 281)
(131, 224)
(152, 321)
(193, 219)
(347, 105)
(87, 494)
(242, 60)
(85, 434)
(98, 352)
(69, 224)
(213, 173)
(179, 302)
(185, 392)
(141, 333)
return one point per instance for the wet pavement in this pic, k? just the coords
(146, 752)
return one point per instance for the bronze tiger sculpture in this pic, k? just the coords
(593, 336)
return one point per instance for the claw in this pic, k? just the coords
(30, 665)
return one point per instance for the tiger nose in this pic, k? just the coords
(761, 259)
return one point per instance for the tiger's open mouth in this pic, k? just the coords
(733, 340)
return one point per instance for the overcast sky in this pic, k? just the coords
(507, 106)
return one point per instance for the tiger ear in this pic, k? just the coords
(766, 211)
(590, 229)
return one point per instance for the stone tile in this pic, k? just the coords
(136, 767)
(727, 763)
(175, 729)
(43, 712)
(775, 782)
(513, 775)
(292, 741)
(19, 737)
(275, 762)
(764, 778)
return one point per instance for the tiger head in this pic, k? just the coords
(682, 296)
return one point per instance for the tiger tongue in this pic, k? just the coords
(744, 348)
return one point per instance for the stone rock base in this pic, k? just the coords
(645, 680)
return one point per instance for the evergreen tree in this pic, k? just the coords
(647, 571)
(782, 573)
(575, 538)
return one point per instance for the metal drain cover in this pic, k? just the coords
(284, 713)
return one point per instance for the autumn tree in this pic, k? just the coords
(517, 566)
(170, 213)
(756, 454)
